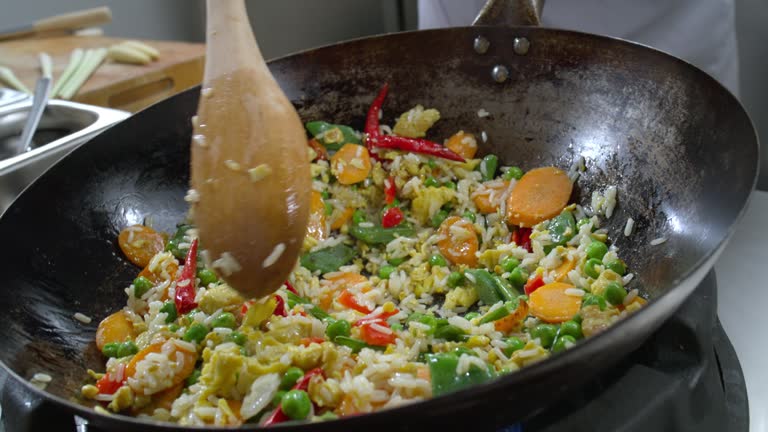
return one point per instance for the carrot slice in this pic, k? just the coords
(459, 241)
(342, 218)
(513, 321)
(463, 144)
(157, 276)
(341, 280)
(561, 272)
(540, 194)
(551, 304)
(188, 366)
(114, 328)
(483, 196)
(140, 244)
(317, 227)
(351, 164)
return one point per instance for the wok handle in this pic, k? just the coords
(510, 13)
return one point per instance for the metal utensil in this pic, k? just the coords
(39, 102)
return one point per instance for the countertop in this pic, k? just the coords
(743, 303)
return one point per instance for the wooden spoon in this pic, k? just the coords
(250, 164)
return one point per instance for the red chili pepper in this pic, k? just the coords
(108, 385)
(246, 305)
(522, 238)
(320, 151)
(290, 288)
(280, 308)
(417, 145)
(392, 217)
(348, 299)
(375, 139)
(374, 336)
(278, 416)
(378, 317)
(185, 284)
(390, 190)
(533, 284)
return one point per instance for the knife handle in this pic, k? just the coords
(74, 20)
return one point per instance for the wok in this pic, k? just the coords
(680, 148)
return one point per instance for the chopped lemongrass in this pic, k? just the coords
(7, 76)
(74, 62)
(151, 51)
(86, 69)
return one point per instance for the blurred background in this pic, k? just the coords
(315, 23)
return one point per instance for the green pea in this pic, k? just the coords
(468, 215)
(438, 218)
(437, 261)
(431, 182)
(358, 217)
(577, 318)
(225, 319)
(614, 293)
(472, 315)
(582, 222)
(513, 173)
(488, 167)
(278, 397)
(596, 250)
(386, 271)
(169, 308)
(571, 328)
(173, 328)
(396, 327)
(195, 333)
(591, 268)
(140, 286)
(450, 185)
(563, 342)
(238, 338)
(325, 194)
(455, 279)
(397, 261)
(193, 378)
(518, 277)
(296, 404)
(513, 344)
(545, 333)
(126, 349)
(592, 299)
(509, 263)
(338, 328)
(617, 266)
(206, 277)
(110, 349)
(290, 377)
(431, 163)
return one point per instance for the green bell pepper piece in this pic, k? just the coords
(176, 239)
(380, 235)
(562, 228)
(485, 285)
(329, 259)
(355, 344)
(504, 288)
(442, 369)
(332, 136)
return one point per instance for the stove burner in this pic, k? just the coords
(686, 377)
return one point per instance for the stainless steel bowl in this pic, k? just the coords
(63, 127)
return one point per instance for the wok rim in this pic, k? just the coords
(662, 306)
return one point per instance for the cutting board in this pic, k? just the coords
(114, 85)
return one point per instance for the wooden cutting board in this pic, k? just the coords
(113, 85)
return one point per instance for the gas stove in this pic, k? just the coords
(686, 377)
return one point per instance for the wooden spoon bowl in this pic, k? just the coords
(250, 165)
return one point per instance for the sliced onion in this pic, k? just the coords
(262, 392)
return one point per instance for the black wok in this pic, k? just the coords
(680, 148)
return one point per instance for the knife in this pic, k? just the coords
(69, 21)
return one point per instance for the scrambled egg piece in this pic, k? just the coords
(531, 353)
(221, 296)
(415, 122)
(429, 200)
(460, 296)
(123, 399)
(219, 373)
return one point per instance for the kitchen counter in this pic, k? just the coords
(743, 303)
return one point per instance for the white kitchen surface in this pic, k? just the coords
(743, 303)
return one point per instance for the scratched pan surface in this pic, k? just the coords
(680, 148)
